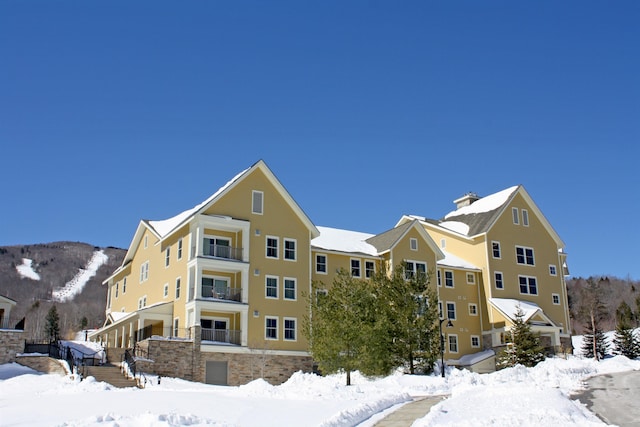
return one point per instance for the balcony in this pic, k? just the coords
(224, 251)
(212, 291)
(225, 336)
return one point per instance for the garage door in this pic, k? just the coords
(216, 373)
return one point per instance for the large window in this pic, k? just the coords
(290, 249)
(272, 247)
(271, 328)
(217, 246)
(289, 288)
(355, 268)
(498, 279)
(272, 287)
(289, 329)
(495, 248)
(524, 255)
(528, 285)
(321, 264)
(257, 202)
(213, 287)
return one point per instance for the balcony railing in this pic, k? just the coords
(226, 336)
(222, 251)
(227, 294)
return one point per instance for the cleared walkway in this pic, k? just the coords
(407, 414)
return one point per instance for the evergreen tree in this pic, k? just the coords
(345, 330)
(523, 346)
(594, 343)
(593, 311)
(411, 310)
(52, 326)
(624, 314)
(625, 342)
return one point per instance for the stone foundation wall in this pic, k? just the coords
(171, 358)
(244, 368)
(44, 364)
(12, 343)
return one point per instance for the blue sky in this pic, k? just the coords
(111, 112)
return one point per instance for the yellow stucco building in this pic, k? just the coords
(224, 282)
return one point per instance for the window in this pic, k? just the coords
(289, 329)
(451, 310)
(475, 341)
(257, 202)
(179, 249)
(355, 267)
(525, 217)
(528, 285)
(167, 257)
(413, 244)
(473, 309)
(516, 217)
(498, 280)
(471, 278)
(321, 264)
(177, 288)
(448, 279)
(144, 271)
(495, 247)
(272, 287)
(290, 249)
(217, 247)
(117, 285)
(142, 302)
(214, 287)
(271, 328)
(411, 268)
(165, 292)
(552, 270)
(289, 288)
(272, 247)
(453, 343)
(439, 278)
(440, 313)
(369, 269)
(146, 241)
(443, 243)
(555, 298)
(124, 286)
(176, 322)
(524, 255)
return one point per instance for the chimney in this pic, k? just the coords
(466, 200)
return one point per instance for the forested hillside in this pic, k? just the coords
(41, 275)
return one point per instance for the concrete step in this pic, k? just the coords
(110, 374)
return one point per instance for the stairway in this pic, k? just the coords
(109, 374)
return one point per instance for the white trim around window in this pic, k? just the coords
(471, 279)
(516, 216)
(473, 309)
(321, 263)
(555, 298)
(369, 268)
(290, 328)
(257, 202)
(496, 252)
(451, 309)
(452, 340)
(356, 267)
(525, 217)
(271, 287)
(178, 280)
(553, 271)
(271, 244)
(498, 280)
(290, 289)
(167, 257)
(144, 271)
(528, 285)
(271, 328)
(449, 279)
(179, 251)
(165, 291)
(413, 244)
(525, 256)
(475, 341)
(289, 249)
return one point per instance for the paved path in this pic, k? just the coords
(407, 414)
(614, 398)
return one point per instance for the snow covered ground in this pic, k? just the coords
(26, 269)
(517, 396)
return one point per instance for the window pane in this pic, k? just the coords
(321, 263)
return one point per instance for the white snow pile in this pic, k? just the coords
(520, 396)
(26, 269)
(75, 285)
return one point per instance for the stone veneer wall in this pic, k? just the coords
(44, 364)
(12, 344)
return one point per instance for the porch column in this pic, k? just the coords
(244, 326)
(115, 338)
(124, 337)
(131, 343)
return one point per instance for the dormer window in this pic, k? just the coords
(257, 202)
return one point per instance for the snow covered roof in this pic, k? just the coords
(485, 204)
(335, 239)
(451, 260)
(472, 359)
(509, 307)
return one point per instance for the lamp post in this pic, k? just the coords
(449, 325)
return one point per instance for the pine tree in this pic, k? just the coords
(523, 345)
(594, 343)
(52, 326)
(625, 342)
(345, 330)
